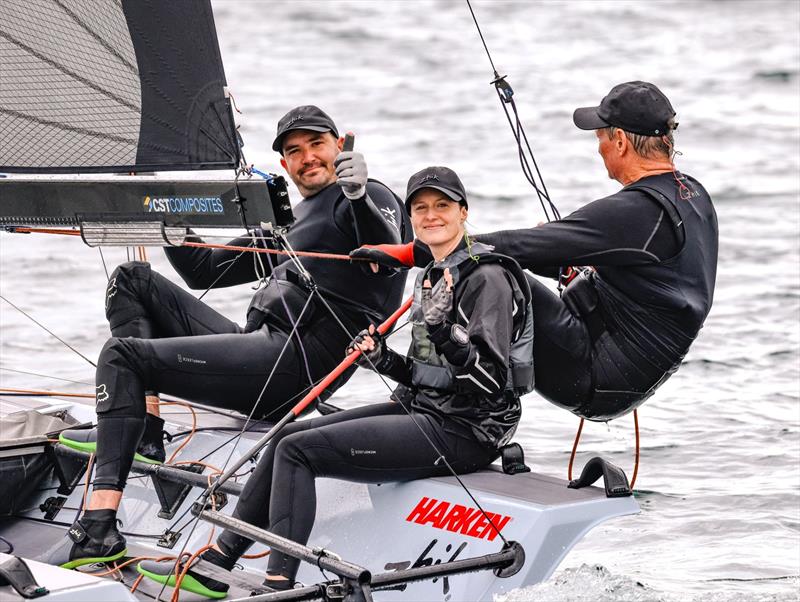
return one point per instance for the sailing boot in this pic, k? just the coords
(150, 449)
(193, 581)
(92, 538)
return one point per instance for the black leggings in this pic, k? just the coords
(373, 444)
(594, 379)
(166, 340)
(561, 350)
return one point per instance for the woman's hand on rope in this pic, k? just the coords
(372, 346)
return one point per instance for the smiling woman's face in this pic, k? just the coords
(438, 221)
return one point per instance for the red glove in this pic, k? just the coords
(393, 256)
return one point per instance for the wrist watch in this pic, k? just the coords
(459, 335)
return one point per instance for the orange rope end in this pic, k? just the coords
(574, 449)
(636, 460)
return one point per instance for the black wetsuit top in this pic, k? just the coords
(476, 403)
(654, 254)
(325, 222)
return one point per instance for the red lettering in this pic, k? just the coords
(458, 519)
(423, 508)
(454, 517)
(498, 522)
(469, 516)
(437, 515)
(478, 525)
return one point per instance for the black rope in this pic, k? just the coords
(506, 95)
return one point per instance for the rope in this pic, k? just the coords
(636, 456)
(506, 95)
(204, 245)
(47, 330)
(33, 392)
(636, 461)
(574, 448)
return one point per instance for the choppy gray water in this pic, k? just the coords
(719, 481)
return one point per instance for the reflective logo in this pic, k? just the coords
(189, 360)
(111, 290)
(184, 205)
(390, 215)
(101, 394)
(458, 519)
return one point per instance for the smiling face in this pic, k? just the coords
(438, 221)
(308, 159)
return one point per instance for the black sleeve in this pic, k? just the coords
(217, 268)
(628, 228)
(484, 307)
(395, 366)
(376, 216)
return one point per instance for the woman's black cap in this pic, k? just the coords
(306, 117)
(442, 179)
(636, 107)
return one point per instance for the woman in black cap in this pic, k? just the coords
(458, 387)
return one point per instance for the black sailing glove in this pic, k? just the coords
(437, 301)
(372, 346)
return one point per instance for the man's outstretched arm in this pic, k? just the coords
(202, 268)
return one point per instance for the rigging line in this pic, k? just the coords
(34, 393)
(103, 259)
(316, 254)
(480, 33)
(291, 319)
(267, 382)
(505, 93)
(519, 135)
(533, 158)
(231, 263)
(405, 409)
(67, 380)
(236, 438)
(421, 430)
(424, 434)
(24, 313)
(240, 432)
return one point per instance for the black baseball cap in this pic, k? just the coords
(636, 107)
(306, 117)
(442, 179)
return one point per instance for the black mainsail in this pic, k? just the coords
(118, 86)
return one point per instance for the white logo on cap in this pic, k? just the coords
(430, 176)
